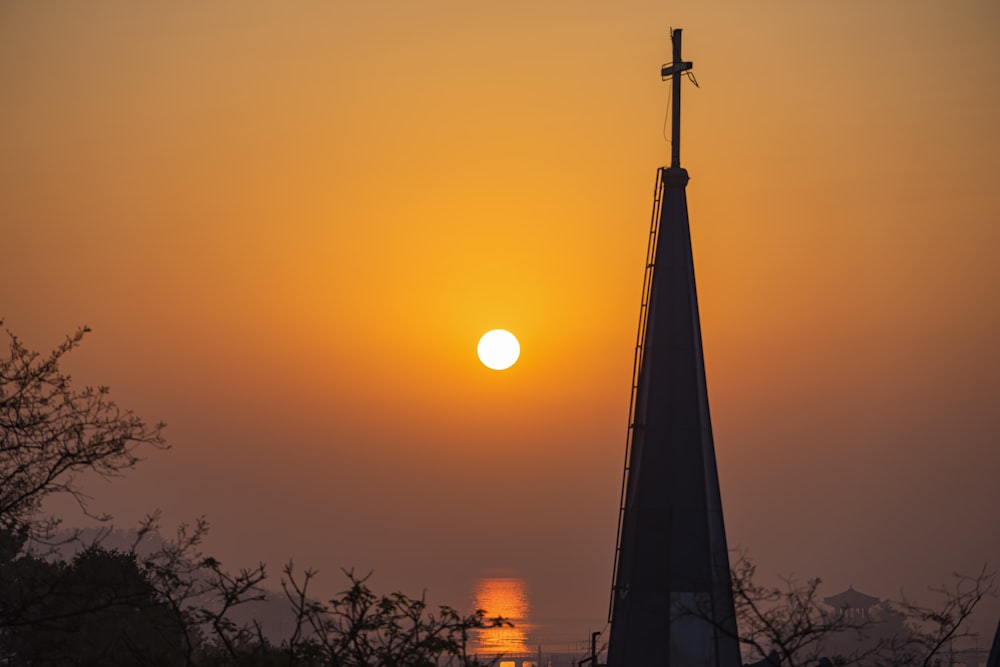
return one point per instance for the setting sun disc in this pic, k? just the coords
(498, 349)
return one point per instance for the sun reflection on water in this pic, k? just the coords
(502, 596)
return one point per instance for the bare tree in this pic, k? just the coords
(931, 630)
(199, 592)
(354, 629)
(359, 628)
(790, 625)
(50, 432)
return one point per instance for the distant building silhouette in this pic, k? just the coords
(854, 604)
(672, 600)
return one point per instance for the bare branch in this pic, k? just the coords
(51, 432)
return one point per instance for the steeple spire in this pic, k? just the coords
(672, 603)
(674, 70)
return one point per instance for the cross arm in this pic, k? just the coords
(668, 71)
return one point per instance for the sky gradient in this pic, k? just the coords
(289, 223)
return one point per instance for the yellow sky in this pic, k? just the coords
(288, 224)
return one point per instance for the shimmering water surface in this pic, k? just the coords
(505, 596)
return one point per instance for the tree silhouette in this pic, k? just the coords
(99, 608)
(50, 432)
(359, 628)
(930, 630)
(789, 625)
(786, 622)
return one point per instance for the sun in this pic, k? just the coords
(498, 349)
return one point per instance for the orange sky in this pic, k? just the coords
(289, 224)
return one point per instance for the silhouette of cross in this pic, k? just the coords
(674, 70)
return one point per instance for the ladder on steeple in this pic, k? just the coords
(640, 339)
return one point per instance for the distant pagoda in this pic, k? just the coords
(672, 601)
(854, 604)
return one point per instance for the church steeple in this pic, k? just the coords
(671, 603)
